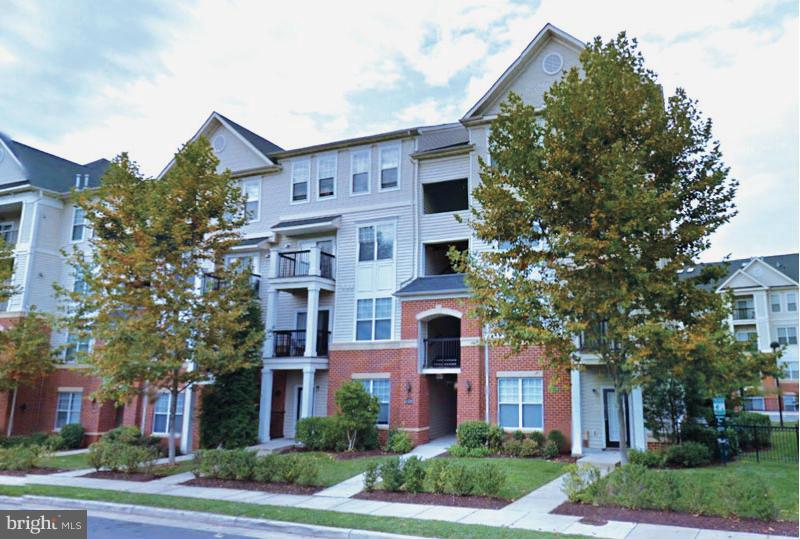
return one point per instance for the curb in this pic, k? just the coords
(206, 518)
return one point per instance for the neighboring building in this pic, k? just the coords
(765, 291)
(350, 240)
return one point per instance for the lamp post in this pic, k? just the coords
(775, 345)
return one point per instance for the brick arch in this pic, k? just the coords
(439, 311)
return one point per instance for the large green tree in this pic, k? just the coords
(597, 200)
(152, 238)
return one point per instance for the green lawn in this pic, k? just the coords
(781, 481)
(408, 526)
(332, 471)
(71, 462)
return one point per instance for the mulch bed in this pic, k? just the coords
(107, 474)
(32, 471)
(564, 459)
(273, 488)
(598, 515)
(427, 498)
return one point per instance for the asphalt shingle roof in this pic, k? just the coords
(304, 222)
(436, 284)
(786, 264)
(261, 144)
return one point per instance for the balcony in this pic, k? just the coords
(298, 264)
(212, 282)
(292, 343)
(594, 339)
(744, 313)
(442, 353)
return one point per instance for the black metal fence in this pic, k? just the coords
(442, 353)
(767, 443)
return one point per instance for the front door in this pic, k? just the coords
(611, 419)
(278, 404)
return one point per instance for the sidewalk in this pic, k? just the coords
(531, 512)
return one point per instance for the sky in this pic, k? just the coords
(88, 79)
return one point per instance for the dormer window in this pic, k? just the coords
(81, 181)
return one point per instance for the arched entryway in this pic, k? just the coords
(440, 362)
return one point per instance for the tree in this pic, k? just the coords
(25, 355)
(229, 416)
(357, 410)
(598, 200)
(153, 327)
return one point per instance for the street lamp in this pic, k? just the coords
(775, 345)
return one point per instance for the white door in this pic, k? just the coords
(612, 425)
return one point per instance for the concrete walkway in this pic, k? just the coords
(273, 445)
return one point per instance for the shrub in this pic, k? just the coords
(538, 437)
(358, 412)
(495, 438)
(518, 435)
(306, 471)
(20, 457)
(131, 458)
(321, 433)
(550, 450)
(472, 434)
(580, 482)
(648, 459)
(125, 435)
(392, 474)
(436, 475)
(371, 475)
(96, 457)
(751, 499)
(288, 469)
(754, 437)
(560, 440)
(414, 474)
(489, 479)
(225, 463)
(687, 455)
(266, 468)
(72, 435)
(521, 448)
(460, 451)
(399, 442)
(54, 443)
(460, 480)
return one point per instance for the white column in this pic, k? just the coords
(761, 307)
(577, 429)
(271, 322)
(273, 264)
(311, 321)
(186, 428)
(639, 432)
(265, 405)
(313, 261)
(307, 405)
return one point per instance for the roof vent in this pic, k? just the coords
(552, 63)
(218, 143)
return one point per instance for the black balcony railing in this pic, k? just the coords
(744, 313)
(442, 353)
(292, 343)
(594, 338)
(213, 282)
(298, 264)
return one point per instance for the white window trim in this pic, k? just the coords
(780, 302)
(85, 233)
(258, 199)
(335, 157)
(178, 428)
(372, 381)
(369, 172)
(381, 149)
(90, 347)
(519, 405)
(79, 391)
(305, 162)
(375, 226)
(787, 328)
(786, 301)
(373, 319)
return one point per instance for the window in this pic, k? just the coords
(68, 408)
(76, 345)
(791, 302)
(787, 335)
(81, 181)
(791, 370)
(380, 389)
(301, 172)
(79, 285)
(161, 413)
(390, 168)
(374, 319)
(520, 403)
(375, 242)
(754, 404)
(789, 402)
(326, 176)
(747, 334)
(252, 197)
(775, 303)
(443, 197)
(359, 169)
(78, 224)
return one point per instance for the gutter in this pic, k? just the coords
(346, 143)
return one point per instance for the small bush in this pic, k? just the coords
(550, 449)
(495, 438)
(648, 459)
(461, 451)
(518, 435)
(266, 468)
(125, 435)
(392, 475)
(20, 457)
(72, 435)
(538, 437)
(54, 443)
(752, 438)
(472, 434)
(399, 442)
(687, 455)
(460, 480)
(751, 499)
(580, 482)
(521, 448)
(414, 474)
(322, 433)
(306, 471)
(436, 475)
(489, 479)
(131, 459)
(96, 457)
(288, 469)
(371, 475)
(225, 463)
(560, 440)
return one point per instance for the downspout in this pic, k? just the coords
(414, 211)
(487, 381)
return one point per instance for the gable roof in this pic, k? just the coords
(549, 31)
(263, 145)
(787, 264)
(51, 172)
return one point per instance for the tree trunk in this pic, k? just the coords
(173, 407)
(10, 426)
(623, 425)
